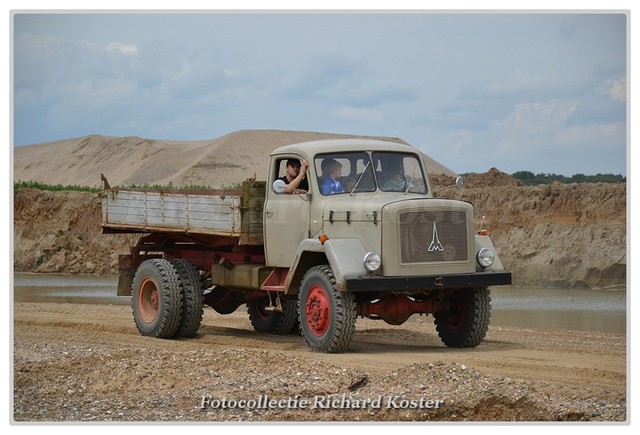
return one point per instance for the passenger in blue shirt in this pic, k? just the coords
(331, 170)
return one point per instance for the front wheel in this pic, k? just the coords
(466, 322)
(327, 316)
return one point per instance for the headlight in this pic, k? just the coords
(485, 257)
(372, 261)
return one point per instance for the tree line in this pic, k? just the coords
(528, 178)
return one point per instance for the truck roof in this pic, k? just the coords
(340, 145)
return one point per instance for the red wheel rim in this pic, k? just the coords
(318, 310)
(261, 312)
(457, 313)
(148, 300)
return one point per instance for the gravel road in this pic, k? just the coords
(75, 362)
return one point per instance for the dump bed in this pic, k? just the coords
(228, 212)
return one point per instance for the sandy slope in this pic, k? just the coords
(132, 160)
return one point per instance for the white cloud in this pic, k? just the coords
(532, 124)
(537, 116)
(523, 81)
(108, 96)
(617, 89)
(591, 134)
(125, 49)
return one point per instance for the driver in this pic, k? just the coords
(394, 182)
(296, 179)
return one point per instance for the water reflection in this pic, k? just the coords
(84, 289)
(584, 310)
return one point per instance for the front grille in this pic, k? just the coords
(430, 236)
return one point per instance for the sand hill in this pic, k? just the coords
(133, 160)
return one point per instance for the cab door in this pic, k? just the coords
(286, 217)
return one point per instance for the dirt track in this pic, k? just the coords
(77, 362)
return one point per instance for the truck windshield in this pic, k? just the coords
(357, 172)
(399, 172)
(344, 173)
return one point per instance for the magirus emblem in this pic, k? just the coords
(435, 241)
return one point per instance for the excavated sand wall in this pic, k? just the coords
(558, 235)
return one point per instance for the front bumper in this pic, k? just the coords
(430, 282)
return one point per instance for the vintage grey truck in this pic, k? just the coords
(378, 244)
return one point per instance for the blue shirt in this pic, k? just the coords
(330, 186)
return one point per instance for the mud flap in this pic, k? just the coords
(126, 273)
(125, 281)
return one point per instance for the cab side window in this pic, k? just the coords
(290, 176)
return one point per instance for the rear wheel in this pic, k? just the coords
(466, 322)
(274, 322)
(192, 298)
(156, 299)
(327, 316)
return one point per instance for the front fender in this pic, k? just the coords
(344, 256)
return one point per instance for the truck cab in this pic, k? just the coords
(371, 218)
(383, 203)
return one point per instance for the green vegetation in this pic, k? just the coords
(59, 187)
(236, 186)
(528, 178)
(169, 186)
(52, 187)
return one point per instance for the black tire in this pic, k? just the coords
(295, 329)
(192, 298)
(156, 299)
(466, 323)
(327, 316)
(273, 322)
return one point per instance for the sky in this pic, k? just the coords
(543, 92)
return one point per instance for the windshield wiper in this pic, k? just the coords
(411, 179)
(355, 186)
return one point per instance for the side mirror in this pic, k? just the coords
(278, 186)
(459, 182)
